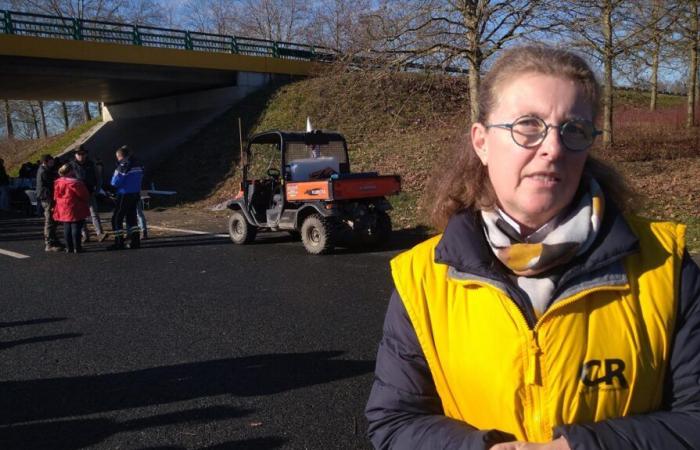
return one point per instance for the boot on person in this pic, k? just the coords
(54, 246)
(118, 243)
(135, 240)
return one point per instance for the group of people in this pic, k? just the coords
(68, 195)
(25, 179)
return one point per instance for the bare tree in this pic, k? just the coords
(66, 121)
(35, 119)
(140, 12)
(642, 65)
(211, 16)
(660, 26)
(25, 120)
(338, 25)
(42, 118)
(605, 30)
(275, 20)
(9, 130)
(459, 33)
(86, 112)
(689, 29)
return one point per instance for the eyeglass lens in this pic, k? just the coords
(575, 134)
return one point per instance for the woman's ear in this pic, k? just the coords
(478, 135)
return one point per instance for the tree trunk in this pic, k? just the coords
(608, 79)
(474, 81)
(697, 79)
(475, 56)
(692, 80)
(693, 66)
(42, 116)
(8, 121)
(35, 119)
(66, 124)
(654, 75)
(86, 112)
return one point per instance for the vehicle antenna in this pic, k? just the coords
(240, 139)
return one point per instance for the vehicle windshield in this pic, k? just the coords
(262, 157)
(300, 151)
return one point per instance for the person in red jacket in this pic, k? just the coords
(72, 206)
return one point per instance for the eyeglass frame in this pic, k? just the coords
(547, 126)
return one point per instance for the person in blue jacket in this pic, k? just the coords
(126, 180)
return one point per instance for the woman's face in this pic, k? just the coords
(533, 185)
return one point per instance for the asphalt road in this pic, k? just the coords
(188, 343)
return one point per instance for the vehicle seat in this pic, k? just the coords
(260, 197)
(301, 169)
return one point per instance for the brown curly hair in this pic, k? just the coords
(463, 182)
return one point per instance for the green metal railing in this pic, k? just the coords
(41, 25)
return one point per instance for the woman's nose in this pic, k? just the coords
(552, 147)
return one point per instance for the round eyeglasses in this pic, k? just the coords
(530, 131)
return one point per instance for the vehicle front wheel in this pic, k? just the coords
(317, 234)
(240, 231)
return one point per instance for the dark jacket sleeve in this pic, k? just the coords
(44, 184)
(677, 425)
(404, 409)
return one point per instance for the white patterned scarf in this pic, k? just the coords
(534, 258)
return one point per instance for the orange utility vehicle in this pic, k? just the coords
(301, 182)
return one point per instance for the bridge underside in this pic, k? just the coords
(34, 68)
(24, 78)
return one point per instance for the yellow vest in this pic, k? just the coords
(598, 354)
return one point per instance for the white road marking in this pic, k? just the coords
(13, 254)
(181, 230)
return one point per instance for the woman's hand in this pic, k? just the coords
(557, 444)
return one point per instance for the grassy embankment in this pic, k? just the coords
(16, 152)
(406, 123)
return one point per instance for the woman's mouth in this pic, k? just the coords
(546, 178)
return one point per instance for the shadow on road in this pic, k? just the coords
(33, 340)
(49, 402)
(79, 433)
(24, 229)
(21, 229)
(266, 443)
(23, 323)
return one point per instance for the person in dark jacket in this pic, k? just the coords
(546, 315)
(45, 177)
(126, 180)
(4, 187)
(84, 170)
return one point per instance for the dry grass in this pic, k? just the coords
(660, 158)
(17, 152)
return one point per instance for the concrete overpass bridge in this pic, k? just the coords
(181, 78)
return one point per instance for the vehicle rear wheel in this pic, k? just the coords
(240, 231)
(383, 227)
(317, 234)
(380, 231)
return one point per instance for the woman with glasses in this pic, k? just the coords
(546, 315)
